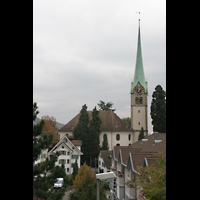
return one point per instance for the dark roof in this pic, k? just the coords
(139, 150)
(110, 122)
(149, 146)
(76, 142)
(106, 157)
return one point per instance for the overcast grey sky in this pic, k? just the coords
(84, 51)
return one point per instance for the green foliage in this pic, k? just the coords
(94, 134)
(86, 185)
(127, 119)
(105, 143)
(81, 133)
(88, 132)
(158, 110)
(43, 183)
(141, 135)
(153, 180)
(75, 170)
(105, 106)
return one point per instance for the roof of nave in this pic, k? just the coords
(110, 122)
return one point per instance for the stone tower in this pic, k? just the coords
(139, 93)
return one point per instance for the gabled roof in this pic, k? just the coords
(61, 141)
(139, 152)
(110, 122)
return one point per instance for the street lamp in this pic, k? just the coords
(104, 176)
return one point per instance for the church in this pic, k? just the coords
(120, 133)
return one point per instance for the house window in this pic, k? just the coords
(102, 164)
(68, 153)
(67, 169)
(63, 147)
(62, 161)
(138, 123)
(138, 111)
(118, 137)
(67, 161)
(72, 165)
(129, 137)
(74, 156)
(62, 152)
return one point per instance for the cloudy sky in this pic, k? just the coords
(84, 51)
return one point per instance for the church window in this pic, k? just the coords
(141, 100)
(129, 137)
(136, 100)
(118, 137)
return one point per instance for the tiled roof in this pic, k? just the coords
(76, 142)
(105, 155)
(110, 122)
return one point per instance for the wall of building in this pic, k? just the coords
(112, 138)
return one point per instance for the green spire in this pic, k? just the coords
(139, 71)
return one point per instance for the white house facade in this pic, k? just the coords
(70, 151)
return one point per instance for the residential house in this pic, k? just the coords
(104, 161)
(125, 161)
(70, 151)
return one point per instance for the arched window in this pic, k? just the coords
(118, 137)
(105, 136)
(136, 100)
(141, 100)
(117, 144)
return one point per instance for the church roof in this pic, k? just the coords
(110, 122)
(139, 71)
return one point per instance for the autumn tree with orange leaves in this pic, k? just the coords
(50, 126)
(86, 185)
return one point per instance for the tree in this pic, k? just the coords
(141, 135)
(75, 169)
(45, 173)
(81, 133)
(105, 143)
(94, 134)
(86, 185)
(153, 180)
(105, 106)
(158, 110)
(50, 126)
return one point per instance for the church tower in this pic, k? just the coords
(139, 93)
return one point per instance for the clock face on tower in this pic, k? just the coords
(138, 90)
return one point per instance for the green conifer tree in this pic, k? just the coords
(105, 143)
(75, 169)
(158, 110)
(94, 134)
(141, 135)
(81, 133)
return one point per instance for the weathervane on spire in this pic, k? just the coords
(139, 15)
